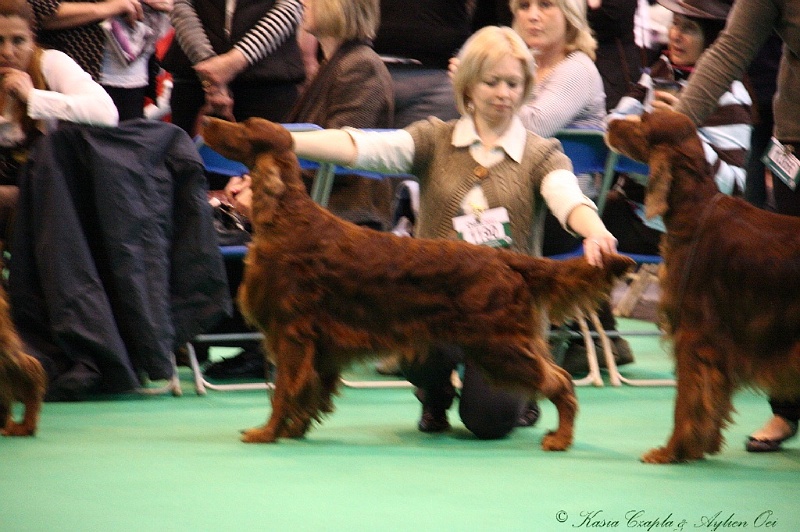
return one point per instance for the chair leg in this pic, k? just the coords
(173, 384)
(634, 292)
(201, 384)
(594, 377)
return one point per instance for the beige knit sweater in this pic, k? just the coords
(446, 173)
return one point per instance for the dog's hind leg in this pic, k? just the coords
(30, 420)
(30, 383)
(702, 406)
(294, 390)
(522, 366)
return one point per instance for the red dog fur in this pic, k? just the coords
(730, 285)
(326, 292)
(22, 379)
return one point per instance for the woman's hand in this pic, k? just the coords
(16, 82)
(597, 245)
(219, 101)
(239, 193)
(165, 6)
(130, 10)
(664, 100)
(221, 69)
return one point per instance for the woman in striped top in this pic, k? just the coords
(240, 59)
(569, 89)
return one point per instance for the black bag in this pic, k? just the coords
(232, 228)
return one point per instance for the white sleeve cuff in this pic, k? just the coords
(388, 152)
(562, 194)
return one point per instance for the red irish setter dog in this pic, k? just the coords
(730, 284)
(22, 379)
(326, 292)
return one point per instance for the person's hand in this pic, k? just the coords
(130, 10)
(219, 101)
(664, 100)
(239, 193)
(596, 245)
(221, 69)
(16, 82)
(452, 66)
(165, 6)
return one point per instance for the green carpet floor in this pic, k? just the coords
(175, 464)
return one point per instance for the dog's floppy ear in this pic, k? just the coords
(268, 187)
(658, 183)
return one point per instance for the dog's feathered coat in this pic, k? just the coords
(22, 379)
(730, 284)
(326, 292)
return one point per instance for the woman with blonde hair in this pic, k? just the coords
(482, 168)
(569, 89)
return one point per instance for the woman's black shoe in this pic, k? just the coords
(433, 420)
(754, 445)
(246, 365)
(529, 416)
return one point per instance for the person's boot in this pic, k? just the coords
(434, 410)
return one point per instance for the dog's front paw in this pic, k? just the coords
(553, 441)
(659, 455)
(259, 435)
(18, 429)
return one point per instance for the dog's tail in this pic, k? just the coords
(565, 287)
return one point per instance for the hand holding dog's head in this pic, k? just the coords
(659, 139)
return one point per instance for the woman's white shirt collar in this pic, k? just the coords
(512, 141)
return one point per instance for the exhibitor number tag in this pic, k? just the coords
(783, 163)
(487, 228)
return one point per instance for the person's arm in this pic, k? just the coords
(749, 25)
(189, 32)
(328, 145)
(73, 14)
(577, 213)
(564, 95)
(597, 239)
(366, 150)
(73, 95)
(275, 28)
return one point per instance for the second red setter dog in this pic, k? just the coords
(326, 293)
(22, 379)
(730, 285)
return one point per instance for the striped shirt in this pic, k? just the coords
(275, 28)
(572, 96)
(725, 133)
